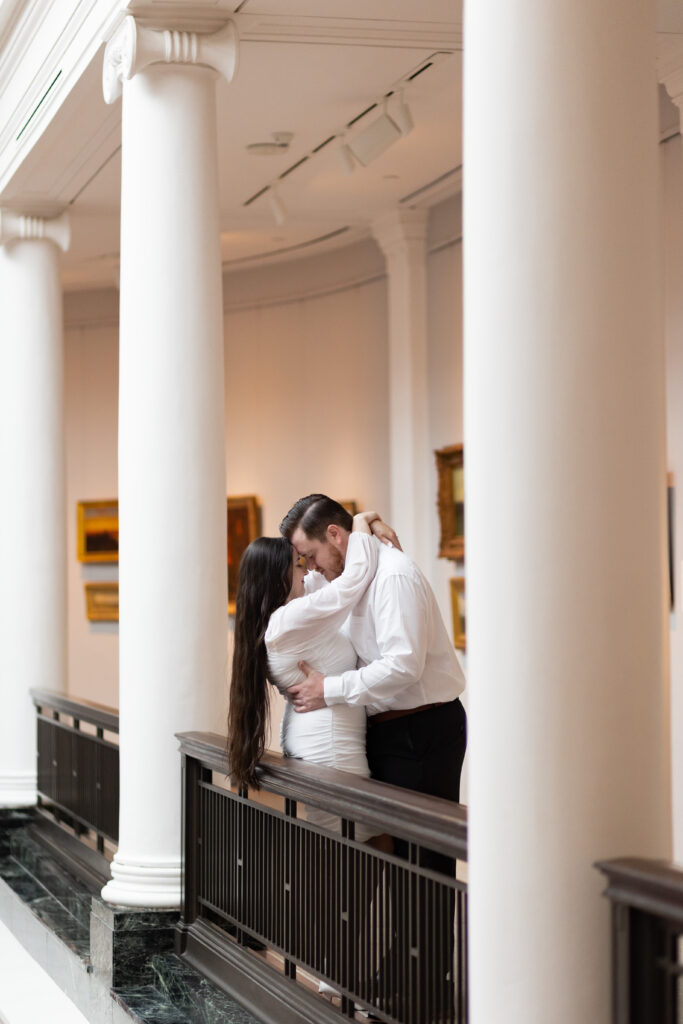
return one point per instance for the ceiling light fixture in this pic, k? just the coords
(346, 157)
(280, 144)
(401, 116)
(375, 139)
(277, 207)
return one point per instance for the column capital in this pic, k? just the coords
(16, 227)
(670, 73)
(133, 47)
(401, 228)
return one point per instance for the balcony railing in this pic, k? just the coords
(647, 940)
(273, 904)
(78, 769)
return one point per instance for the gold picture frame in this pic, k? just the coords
(102, 602)
(451, 501)
(97, 531)
(459, 611)
(244, 525)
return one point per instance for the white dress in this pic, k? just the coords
(308, 629)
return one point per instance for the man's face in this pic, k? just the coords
(322, 556)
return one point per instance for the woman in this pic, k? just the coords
(277, 625)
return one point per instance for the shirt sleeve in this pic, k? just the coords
(327, 607)
(402, 628)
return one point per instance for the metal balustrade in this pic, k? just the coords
(78, 770)
(647, 940)
(387, 934)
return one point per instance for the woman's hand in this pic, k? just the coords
(385, 533)
(371, 522)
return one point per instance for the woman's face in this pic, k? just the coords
(298, 573)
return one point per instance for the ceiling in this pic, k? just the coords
(299, 72)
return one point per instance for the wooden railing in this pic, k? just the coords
(78, 766)
(647, 940)
(271, 900)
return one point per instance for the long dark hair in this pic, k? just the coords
(264, 585)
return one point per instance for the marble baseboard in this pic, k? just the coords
(123, 941)
(203, 1002)
(116, 965)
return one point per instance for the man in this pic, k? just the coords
(409, 683)
(410, 678)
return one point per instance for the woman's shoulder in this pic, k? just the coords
(275, 625)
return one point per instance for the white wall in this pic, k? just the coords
(306, 403)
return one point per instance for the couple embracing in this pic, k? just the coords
(345, 625)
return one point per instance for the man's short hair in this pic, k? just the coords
(314, 514)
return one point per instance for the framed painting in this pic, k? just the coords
(102, 602)
(244, 525)
(458, 609)
(97, 531)
(451, 501)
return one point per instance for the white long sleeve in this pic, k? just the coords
(399, 634)
(327, 607)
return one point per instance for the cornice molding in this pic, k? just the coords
(16, 227)
(445, 36)
(134, 47)
(68, 57)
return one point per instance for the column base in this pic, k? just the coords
(18, 789)
(155, 884)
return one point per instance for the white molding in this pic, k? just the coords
(134, 47)
(10, 14)
(352, 31)
(17, 227)
(73, 50)
(144, 883)
(405, 227)
(18, 789)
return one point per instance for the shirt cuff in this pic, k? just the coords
(332, 690)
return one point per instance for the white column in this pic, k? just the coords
(32, 497)
(565, 485)
(672, 233)
(172, 511)
(402, 236)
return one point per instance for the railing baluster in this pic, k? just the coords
(377, 927)
(68, 762)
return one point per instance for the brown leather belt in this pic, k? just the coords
(387, 716)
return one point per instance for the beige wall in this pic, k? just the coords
(306, 402)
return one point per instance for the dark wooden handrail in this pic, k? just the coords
(84, 710)
(417, 817)
(655, 886)
(647, 928)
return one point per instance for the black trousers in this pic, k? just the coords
(424, 752)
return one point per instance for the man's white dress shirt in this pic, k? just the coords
(406, 655)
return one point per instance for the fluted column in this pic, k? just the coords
(32, 502)
(565, 487)
(172, 525)
(402, 237)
